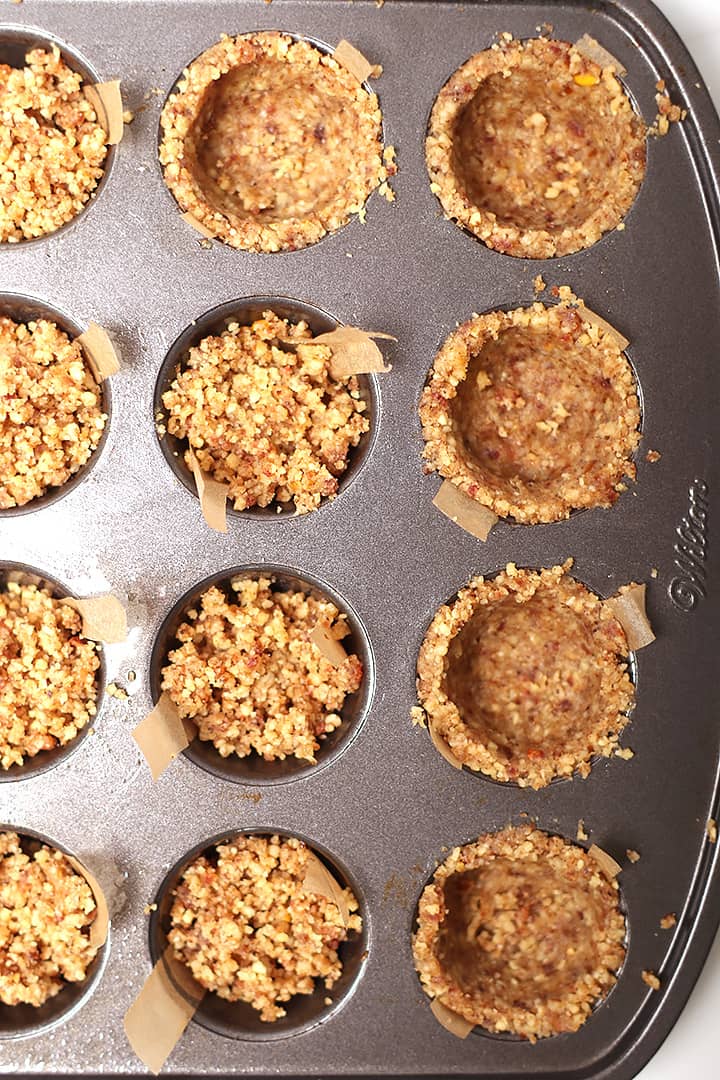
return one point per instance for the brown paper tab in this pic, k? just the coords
(99, 925)
(607, 864)
(106, 100)
(470, 515)
(454, 1023)
(329, 646)
(628, 607)
(162, 735)
(593, 319)
(100, 351)
(103, 618)
(318, 879)
(354, 62)
(442, 747)
(593, 50)
(157, 1018)
(198, 225)
(212, 494)
(353, 351)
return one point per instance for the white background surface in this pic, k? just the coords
(691, 1049)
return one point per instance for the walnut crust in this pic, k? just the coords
(520, 932)
(548, 681)
(51, 417)
(48, 687)
(269, 421)
(45, 910)
(248, 676)
(52, 146)
(247, 929)
(270, 143)
(535, 149)
(532, 412)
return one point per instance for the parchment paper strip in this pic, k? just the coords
(198, 225)
(454, 1023)
(157, 1018)
(471, 516)
(442, 747)
(100, 351)
(318, 879)
(593, 319)
(354, 62)
(162, 735)
(103, 618)
(606, 862)
(106, 100)
(332, 649)
(212, 494)
(353, 351)
(628, 607)
(593, 50)
(99, 925)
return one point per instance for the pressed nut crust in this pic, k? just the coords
(524, 676)
(269, 421)
(520, 932)
(247, 929)
(535, 149)
(48, 683)
(51, 417)
(45, 910)
(269, 143)
(52, 147)
(532, 412)
(248, 676)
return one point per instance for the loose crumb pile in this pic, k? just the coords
(248, 676)
(45, 910)
(532, 412)
(52, 146)
(524, 676)
(267, 420)
(48, 674)
(520, 932)
(51, 417)
(270, 144)
(535, 148)
(249, 931)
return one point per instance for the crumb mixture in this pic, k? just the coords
(532, 412)
(51, 417)
(520, 932)
(45, 910)
(248, 676)
(48, 683)
(524, 676)
(247, 929)
(269, 143)
(535, 149)
(52, 146)
(263, 414)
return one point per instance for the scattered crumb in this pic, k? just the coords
(620, 227)
(128, 117)
(652, 456)
(625, 753)
(387, 192)
(668, 921)
(711, 829)
(328, 1000)
(667, 113)
(417, 715)
(113, 690)
(538, 283)
(651, 979)
(149, 908)
(379, 3)
(632, 855)
(205, 243)
(131, 676)
(251, 796)
(581, 834)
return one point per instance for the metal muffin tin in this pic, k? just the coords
(389, 806)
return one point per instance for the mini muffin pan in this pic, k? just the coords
(388, 807)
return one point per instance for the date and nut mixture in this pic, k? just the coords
(48, 676)
(263, 414)
(246, 673)
(520, 932)
(524, 676)
(270, 144)
(46, 908)
(248, 930)
(532, 412)
(51, 410)
(535, 148)
(52, 146)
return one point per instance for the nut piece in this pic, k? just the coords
(520, 932)
(248, 930)
(535, 148)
